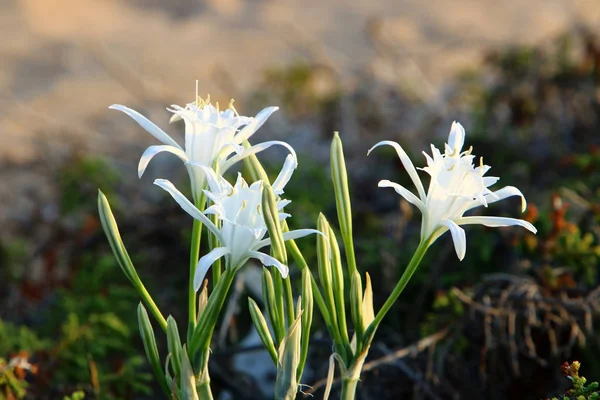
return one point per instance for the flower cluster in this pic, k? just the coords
(243, 218)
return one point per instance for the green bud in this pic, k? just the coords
(147, 334)
(307, 316)
(271, 304)
(262, 328)
(174, 345)
(339, 177)
(338, 283)
(255, 169)
(325, 270)
(356, 295)
(109, 225)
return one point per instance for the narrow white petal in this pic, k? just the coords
(205, 263)
(147, 125)
(490, 180)
(256, 123)
(269, 261)
(282, 203)
(291, 235)
(458, 237)
(154, 150)
(402, 191)
(188, 206)
(284, 176)
(174, 118)
(407, 163)
(256, 149)
(456, 138)
(495, 222)
(501, 194)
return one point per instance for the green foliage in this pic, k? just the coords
(80, 179)
(580, 389)
(11, 386)
(300, 89)
(15, 338)
(78, 395)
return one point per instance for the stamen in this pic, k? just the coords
(244, 204)
(468, 152)
(232, 107)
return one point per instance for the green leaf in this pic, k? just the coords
(187, 381)
(149, 340)
(262, 328)
(286, 383)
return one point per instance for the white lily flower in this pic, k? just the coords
(239, 210)
(211, 136)
(456, 186)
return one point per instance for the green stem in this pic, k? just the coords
(194, 256)
(212, 243)
(203, 332)
(150, 304)
(408, 273)
(289, 302)
(348, 389)
(204, 392)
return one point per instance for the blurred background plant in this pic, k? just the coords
(510, 314)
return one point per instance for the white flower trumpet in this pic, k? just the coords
(211, 137)
(456, 186)
(243, 225)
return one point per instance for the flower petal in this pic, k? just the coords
(204, 264)
(268, 261)
(458, 237)
(154, 150)
(407, 194)
(256, 123)
(407, 163)
(456, 138)
(148, 125)
(188, 206)
(495, 222)
(501, 194)
(284, 176)
(291, 235)
(253, 150)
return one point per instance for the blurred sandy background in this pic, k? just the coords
(63, 62)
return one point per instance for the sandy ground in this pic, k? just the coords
(62, 62)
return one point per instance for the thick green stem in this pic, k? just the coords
(204, 392)
(212, 243)
(348, 389)
(289, 301)
(408, 273)
(194, 256)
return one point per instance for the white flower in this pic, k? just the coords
(211, 136)
(239, 210)
(456, 186)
